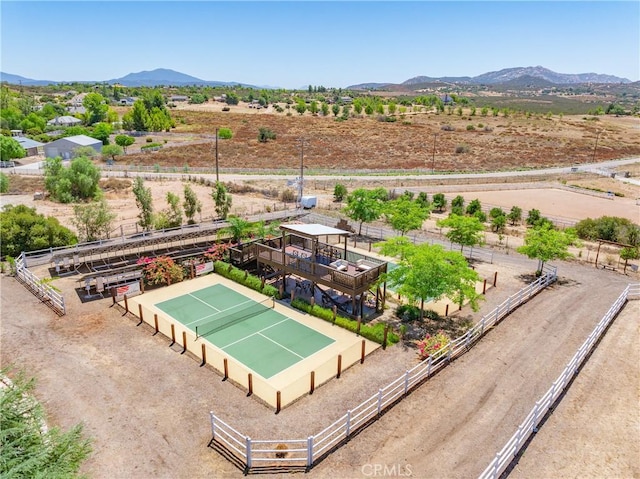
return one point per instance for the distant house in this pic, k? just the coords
(64, 121)
(346, 99)
(76, 110)
(32, 147)
(64, 147)
(447, 100)
(178, 98)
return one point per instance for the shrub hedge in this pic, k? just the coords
(373, 332)
(238, 275)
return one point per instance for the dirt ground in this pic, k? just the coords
(146, 406)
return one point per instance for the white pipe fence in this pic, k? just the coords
(42, 290)
(304, 452)
(529, 426)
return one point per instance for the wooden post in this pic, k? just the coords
(193, 271)
(278, 402)
(362, 351)
(229, 268)
(126, 304)
(484, 286)
(184, 342)
(339, 366)
(262, 284)
(173, 335)
(384, 339)
(369, 246)
(312, 301)
(250, 380)
(113, 295)
(246, 273)
(359, 320)
(495, 279)
(141, 285)
(335, 313)
(293, 295)
(155, 322)
(204, 354)
(313, 382)
(446, 310)
(140, 314)
(226, 369)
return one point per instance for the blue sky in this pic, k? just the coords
(334, 43)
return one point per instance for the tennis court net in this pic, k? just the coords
(235, 315)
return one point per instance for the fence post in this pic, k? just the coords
(535, 416)
(467, 341)
(495, 467)
(248, 446)
(362, 351)
(184, 342)
(213, 425)
(379, 401)
(155, 322)
(495, 279)
(348, 424)
(310, 451)
(518, 441)
(339, 366)
(429, 365)
(406, 381)
(482, 325)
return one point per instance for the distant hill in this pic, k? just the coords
(509, 76)
(19, 80)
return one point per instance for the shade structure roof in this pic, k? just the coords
(313, 230)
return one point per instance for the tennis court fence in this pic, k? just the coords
(40, 288)
(529, 426)
(305, 452)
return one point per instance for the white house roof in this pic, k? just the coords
(313, 230)
(61, 120)
(82, 140)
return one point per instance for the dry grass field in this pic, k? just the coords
(364, 143)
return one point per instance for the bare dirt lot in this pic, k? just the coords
(146, 406)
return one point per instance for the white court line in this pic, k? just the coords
(257, 332)
(220, 311)
(283, 347)
(204, 302)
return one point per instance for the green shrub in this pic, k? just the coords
(407, 312)
(149, 139)
(225, 133)
(151, 145)
(373, 332)
(237, 275)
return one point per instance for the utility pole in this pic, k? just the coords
(301, 141)
(217, 172)
(433, 158)
(593, 160)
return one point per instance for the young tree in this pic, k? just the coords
(191, 205)
(124, 141)
(111, 151)
(324, 108)
(498, 224)
(29, 448)
(515, 215)
(429, 272)
(474, 207)
(335, 109)
(266, 230)
(464, 230)
(144, 202)
(339, 192)
(238, 228)
(93, 220)
(265, 134)
(222, 200)
(457, 206)
(10, 149)
(405, 215)
(365, 206)
(439, 202)
(628, 253)
(545, 243)
(301, 107)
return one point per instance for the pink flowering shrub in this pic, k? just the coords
(161, 270)
(432, 344)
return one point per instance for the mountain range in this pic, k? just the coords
(516, 76)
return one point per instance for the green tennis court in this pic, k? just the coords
(252, 332)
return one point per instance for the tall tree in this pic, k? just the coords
(124, 141)
(464, 230)
(94, 220)
(222, 200)
(29, 448)
(429, 272)
(365, 206)
(79, 181)
(545, 243)
(96, 108)
(144, 201)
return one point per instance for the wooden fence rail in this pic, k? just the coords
(307, 451)
(505, 456)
